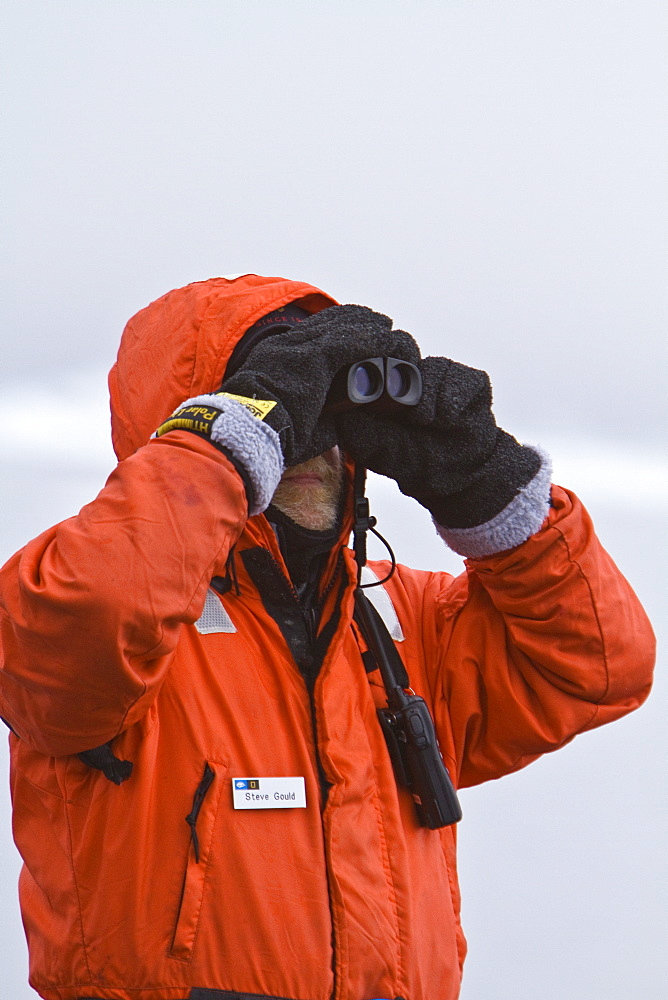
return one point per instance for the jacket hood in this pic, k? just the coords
(179, 347)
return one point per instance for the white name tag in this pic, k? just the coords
(268, 793)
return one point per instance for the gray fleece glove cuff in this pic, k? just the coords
(250, 443)
(518, 520)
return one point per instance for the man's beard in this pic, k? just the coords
(312, 505)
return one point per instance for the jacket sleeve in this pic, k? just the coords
(532, 646)
(90, 611)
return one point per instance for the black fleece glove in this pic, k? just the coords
(447, 451)
(295, 370)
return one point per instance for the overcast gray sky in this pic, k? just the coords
(491, 174)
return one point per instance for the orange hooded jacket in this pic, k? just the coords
(106, 635)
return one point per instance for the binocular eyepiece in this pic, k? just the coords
(386, 384)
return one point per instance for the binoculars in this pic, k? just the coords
(385, 384)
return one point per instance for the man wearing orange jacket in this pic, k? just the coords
(203, 794)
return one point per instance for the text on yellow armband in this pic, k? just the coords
(258, 407)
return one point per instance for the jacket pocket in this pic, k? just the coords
(201, 820)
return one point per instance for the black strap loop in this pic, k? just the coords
(103, 759)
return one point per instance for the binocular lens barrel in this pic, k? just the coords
(398, 382)
(367, 381)
(387, 384)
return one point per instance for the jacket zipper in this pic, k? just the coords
(325, 785)
(198, 799)
(310, 616)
